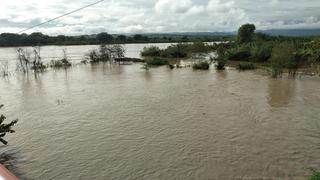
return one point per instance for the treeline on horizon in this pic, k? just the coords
(39, 39)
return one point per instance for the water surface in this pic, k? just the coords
(121, 122)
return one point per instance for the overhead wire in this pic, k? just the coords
(58, 17)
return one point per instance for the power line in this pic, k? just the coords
(61, 16)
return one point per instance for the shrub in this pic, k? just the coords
(283, 56)
(106, 53)
(151, 51)
(261, 53)
(222, 58)
(175, 51)
(38, 66)
(204, 65)
(63, 63)
(246, 66)
(157, 62)
(240, 53)
(198, 47)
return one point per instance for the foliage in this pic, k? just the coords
(203, 65)
(246, 66)
(157, 62)
(63, 63)
(283, 56)
(239, 53)
(180, 50)
(261, 52)
(106, 53)
(310, 51)
(5, 128)
(222, 58)
(151, 51)
(246, 33)
(175, 51)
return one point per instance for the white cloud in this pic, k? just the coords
(118, 16)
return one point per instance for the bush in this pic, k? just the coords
(261, 53)
(198, 47)
(151, 51)
(201, 65)
(106, 53)
(240, 53)
(181, 50)
(63, 63)
(283, 56)
(157, 62)
(175, 51)
(222, 58)
(246, 66)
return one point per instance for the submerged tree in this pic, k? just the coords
(5, 128)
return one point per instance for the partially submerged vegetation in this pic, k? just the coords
(180, 50)
(106, 53)
(246, 66)
(278, 54)
(202, 65)
(5, 128)
(63, 63)
(157, 62)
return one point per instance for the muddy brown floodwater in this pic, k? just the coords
(121, 122)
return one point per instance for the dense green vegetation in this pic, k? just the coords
(180, 50)
(280, 54)
(246, 66)
(38, 39)
(203, 65)
(157, 62)
(5, 128)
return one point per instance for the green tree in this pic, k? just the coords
(5, 128)
(246, 33)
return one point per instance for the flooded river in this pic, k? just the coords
(121, 122)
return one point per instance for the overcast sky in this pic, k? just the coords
(138, 16)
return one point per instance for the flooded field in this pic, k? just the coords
(121, 122)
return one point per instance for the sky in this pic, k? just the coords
(157, 16)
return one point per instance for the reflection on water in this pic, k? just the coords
(281, 91)
(122, 122)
